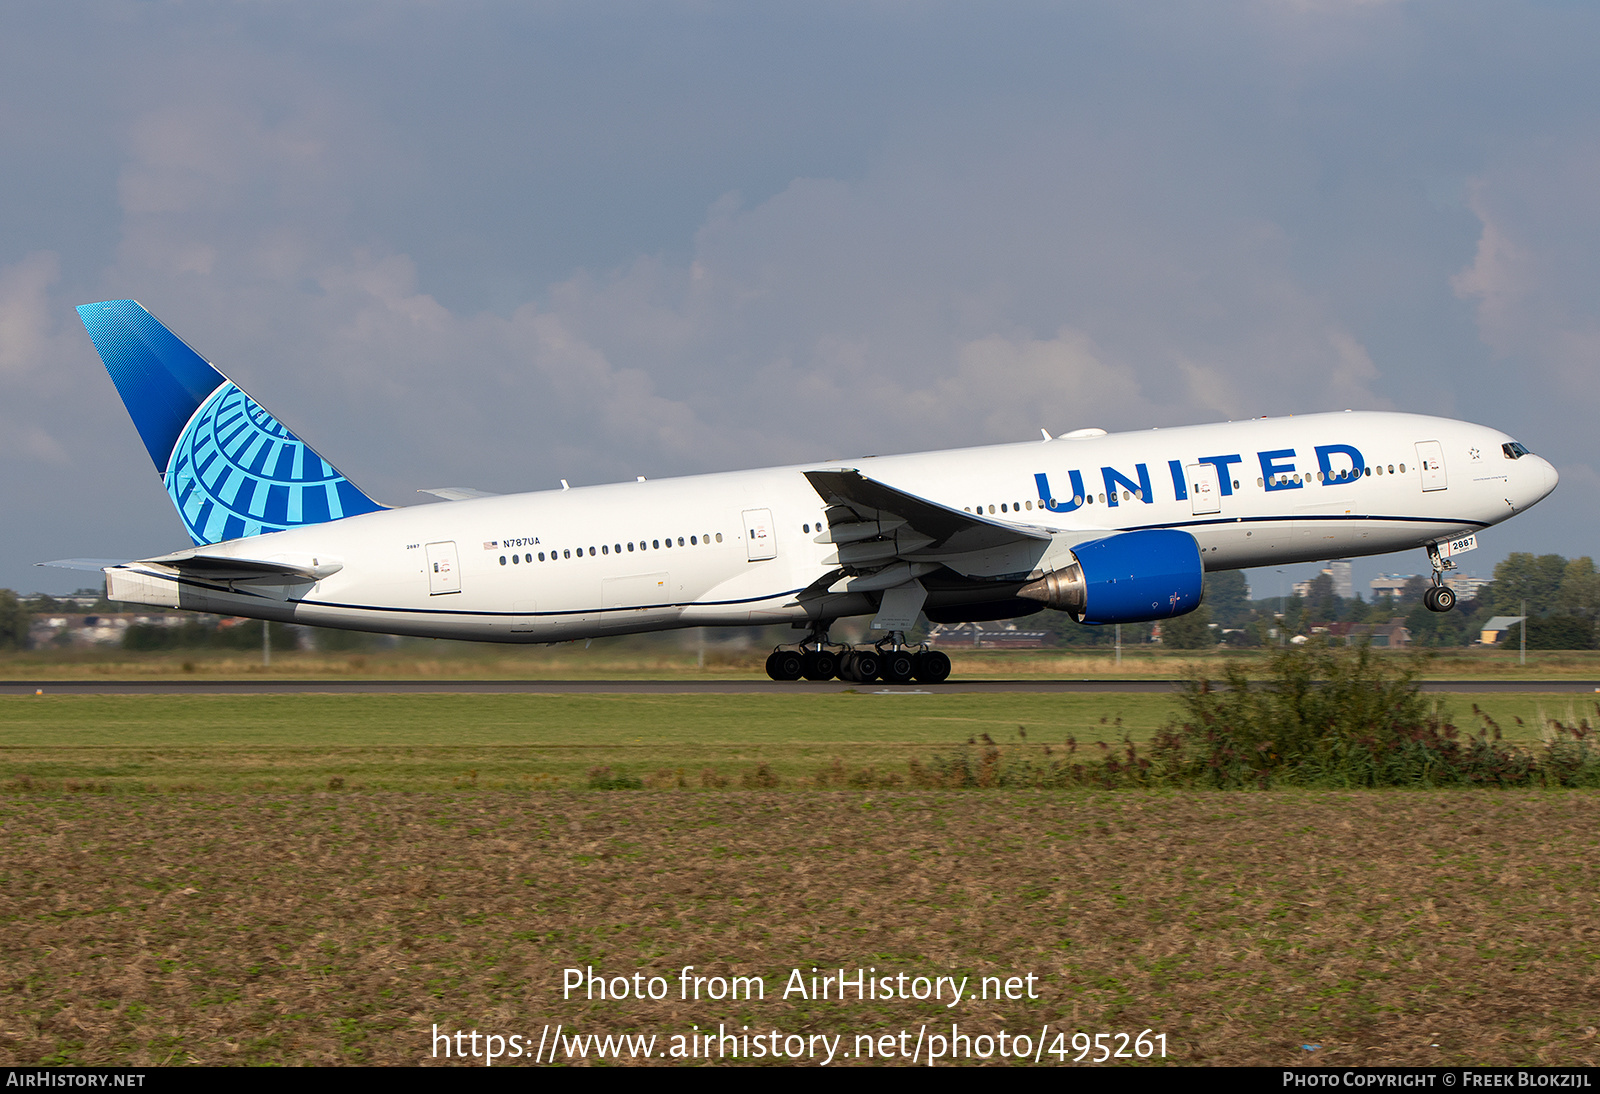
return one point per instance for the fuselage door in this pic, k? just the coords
(1205, 491)
(1430, 457)
(444, 573)
(760, 543)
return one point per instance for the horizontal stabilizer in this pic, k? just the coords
(95, 564)
(457, 493)
(257, 570)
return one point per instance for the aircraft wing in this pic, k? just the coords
(853, 499)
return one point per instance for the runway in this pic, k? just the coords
(687, 687)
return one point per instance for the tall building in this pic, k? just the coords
(1343, 584)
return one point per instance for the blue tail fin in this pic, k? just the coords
(230, 467)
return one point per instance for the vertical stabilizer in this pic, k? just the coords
(231, 468)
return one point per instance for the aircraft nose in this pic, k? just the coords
(1547, 477)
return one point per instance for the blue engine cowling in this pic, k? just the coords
(1128, 577)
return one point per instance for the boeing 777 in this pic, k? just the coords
(1110, 528)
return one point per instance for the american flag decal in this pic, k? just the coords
(491, 544)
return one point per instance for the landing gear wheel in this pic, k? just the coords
(898, 667)
(866, 665)
(784, 664)
(933, 667)
(819, 665)
(1440, 598)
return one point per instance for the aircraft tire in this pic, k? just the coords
(819, 665)
(1440, 598)
(868, 665)
(785, 665)
(898, 667)
(933, 667)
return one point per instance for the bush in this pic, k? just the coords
(1322, 718)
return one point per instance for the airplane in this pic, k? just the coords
(1110, 528)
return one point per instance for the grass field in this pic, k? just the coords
(634, 659)
(429, 742)
(309, 879)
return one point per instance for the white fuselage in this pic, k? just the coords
(736, 548)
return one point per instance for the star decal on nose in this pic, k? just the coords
(1475, 453)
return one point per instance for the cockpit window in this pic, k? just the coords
(1514, 450)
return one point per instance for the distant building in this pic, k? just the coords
(987, 636)
(1466, 586)
(1391, 635)
(1389, 584)
(1344, 585)
(1339, 571)
(1496, 628)
(105, 629)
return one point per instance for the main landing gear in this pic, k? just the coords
(1440, 597)
(890, 660)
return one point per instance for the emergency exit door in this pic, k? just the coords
(444, 575)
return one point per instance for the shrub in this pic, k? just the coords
(1322, 717)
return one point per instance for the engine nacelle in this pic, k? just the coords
(1127, 577)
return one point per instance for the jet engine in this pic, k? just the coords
(1128, 577)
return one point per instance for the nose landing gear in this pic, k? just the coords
(1439, 598)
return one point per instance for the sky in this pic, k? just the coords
(496, 245)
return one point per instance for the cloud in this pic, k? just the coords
(1531, 281)
(26, 324)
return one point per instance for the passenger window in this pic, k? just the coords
(1029, 504)
(1402, 469)
(1002, 507)
(591, 551)
(719, 537)
(515, 559)
(604, 549)
(541, 556)
(502, 560)
(656, 543)
(693, 541)
(566, 552)
(630, 545)
(680, 541)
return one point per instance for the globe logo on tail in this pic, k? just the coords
(237, 471)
